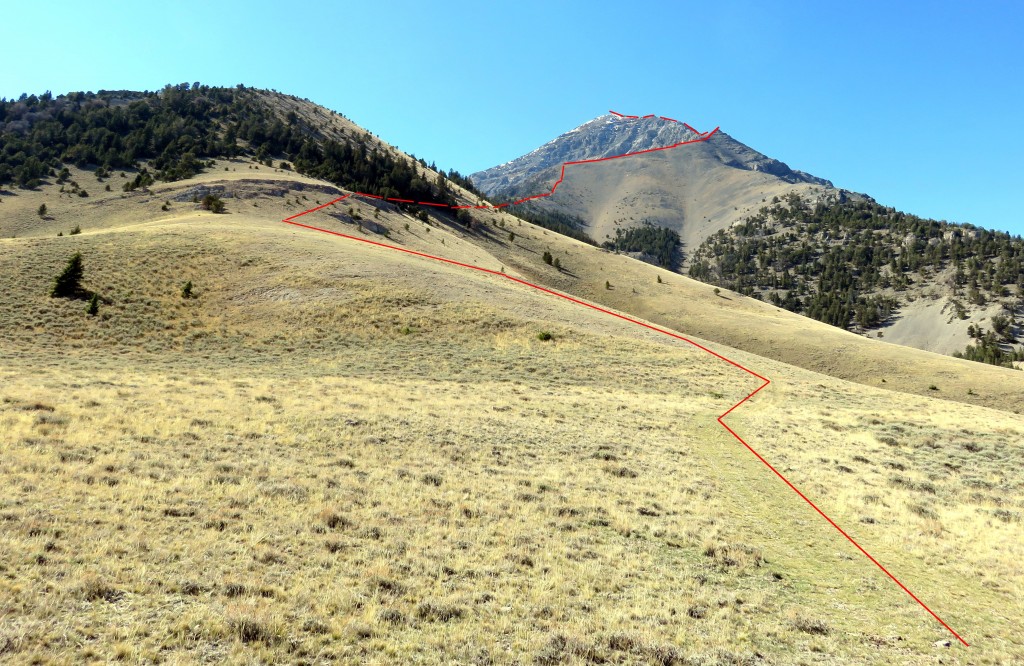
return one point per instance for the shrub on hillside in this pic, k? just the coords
(212, 203)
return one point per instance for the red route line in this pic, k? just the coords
(701, 136)
(290, 220)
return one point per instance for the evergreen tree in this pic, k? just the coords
(68, 283)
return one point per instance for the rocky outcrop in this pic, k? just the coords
(250, 188)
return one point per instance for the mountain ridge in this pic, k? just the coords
(696, 190)
(632, 135)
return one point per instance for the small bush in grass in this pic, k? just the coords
(548, 259)
(212, 203)
(186, 291)
(659, 279)
(385, 586)
(557, 264)
(252, 629)
(561, 650)
(74, 232)
(391, 616)
(607, 284)
(94, 589)
(235, 590)
(435, 612)
(717, 291)
(810, 625)
(94, 306)
(933, 387)
(334, 520)
(361, 631)
(42, 210)
(69, 283)
(544, 336)
(316, 627)
(623, 642)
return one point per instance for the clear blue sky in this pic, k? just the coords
(919, 104)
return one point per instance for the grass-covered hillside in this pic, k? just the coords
(329, 451)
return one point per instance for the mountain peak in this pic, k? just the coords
(611, 135)
(699, 183)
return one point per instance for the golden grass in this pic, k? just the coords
(338, 453)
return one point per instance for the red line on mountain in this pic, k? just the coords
(707, 135)
(701, 136)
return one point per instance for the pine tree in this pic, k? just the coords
(68, 283)
(94, 305)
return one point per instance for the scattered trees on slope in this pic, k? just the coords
(842, 263)
(178, 130)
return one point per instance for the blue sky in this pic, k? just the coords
(919, 104)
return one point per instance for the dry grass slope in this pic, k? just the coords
(335, 452)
